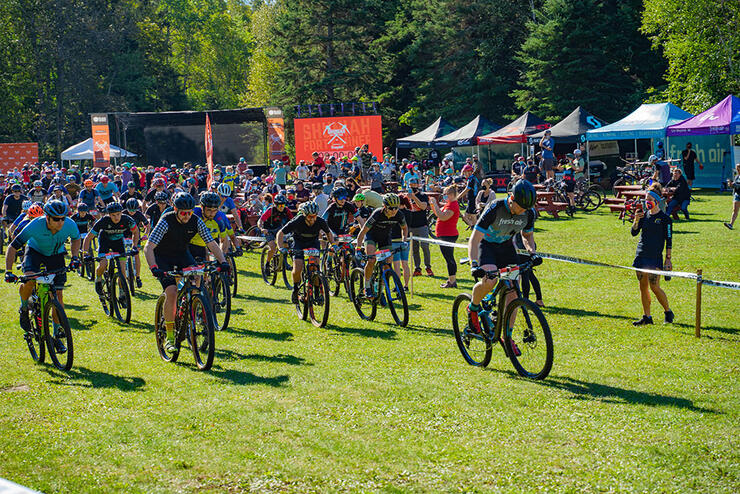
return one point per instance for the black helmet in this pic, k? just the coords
(82, 207)
(339, 192)
(183, 200)
(16, 188)
(280, 199)
(210, 199)
(132, 204)
(524, 194)
(55, 208)
(161, 196)
(114, 207)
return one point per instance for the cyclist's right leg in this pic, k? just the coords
(272, 246)
(370, 249)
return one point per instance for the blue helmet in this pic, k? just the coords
(56, 208)
(114, 207)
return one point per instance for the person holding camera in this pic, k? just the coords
(735, 185)
(656, 230)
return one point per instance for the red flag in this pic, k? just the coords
(209, 150)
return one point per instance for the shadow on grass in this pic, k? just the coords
(86, 378)
(367, 333)
(249, 333)
(247, 378)
(568, 311)
(281, 358)
(145, 296)
(259, 298)
(80, 324)
(423, 329)
(67, 305)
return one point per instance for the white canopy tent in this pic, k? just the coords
(84, 151)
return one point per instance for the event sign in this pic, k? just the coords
(209, 150)
(275, 133)
(337, 136)
(714, 153)
(101, 140)
(17, 154)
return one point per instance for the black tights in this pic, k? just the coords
(529, 277)
(449, 254)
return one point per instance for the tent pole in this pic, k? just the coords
(636, 156)
(588, 161)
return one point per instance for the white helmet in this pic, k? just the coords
(224, 189)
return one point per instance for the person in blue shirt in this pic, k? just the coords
(107, 190)
(44, 238)
(281, 173)
(228, 205)
(547, 145)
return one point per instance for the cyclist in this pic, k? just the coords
(155, 211)
(107, 190)
(133, 209)
(45, 238)
(306, 228)
(37, 193)
(376, 234)
(110, 230)
(131, 193)
(23, 218)
(491, 247)
(228, 205)
(158, 186)
(83, 219)
(167, 249)
(91, 197)
(216, 222)
(272, 220)
(13, 204)
(340, 213)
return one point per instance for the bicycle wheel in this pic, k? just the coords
(35, 339)
(396, 297)
(621, 181)
(301, 304)
(62, 361)
(105, 297)
(331, 267)
(366, 308)
(252, 231)
(287, 269)
(131, 275)
(318, 306)
(221, 301)
(590, 201)
(202, 337)
(120, 298)
(475, 348)
(160, 333)
(89, 270)
(233, 274)
(269, 274)
(528, 341)
(2, 240)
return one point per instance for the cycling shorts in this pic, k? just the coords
(570, 185)
(270, 235)
(106, 245)
(34, 260)
(170, 263)
(380, 244)
(500, 255)
(198, 251)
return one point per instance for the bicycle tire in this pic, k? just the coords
(269, 274)
(105, 298)
(528, 342)
(388, 275)
(319, 297)
(590, 201)
(221, 301)
(37, 349)
(252, 231)
(200, 313)
(233, 275)
(366, 309)
(480, 355)
(131, 275)
(160, 333)
(287, 269)
(64, 363)
(301, 303)
(120, 298)
(332, 270)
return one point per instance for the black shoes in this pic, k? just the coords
(669, 316)
(645, 320)
(24, 320)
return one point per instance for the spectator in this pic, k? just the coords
(366, 159)
(579, 164)
(661, 170)
(301, 192)
(280, 172)
(418, 226)
(318, 161)
(473, 185)
(328, 184)
(446, 229)
(376, 178)
(735, 197)
(387, 170)
(657, 231)
(401, 258)
(547, 145)
(333, 168)
(486, 195)
(531, 172)
(681, 194)
(688, 157)
(320, 198)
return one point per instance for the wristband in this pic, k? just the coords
(153, 267)
(474, 264)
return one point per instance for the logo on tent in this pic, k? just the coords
(711, 116)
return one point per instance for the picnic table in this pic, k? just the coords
(546, 203)
(621, 189)
(640, 194)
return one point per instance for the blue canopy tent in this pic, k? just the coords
(426, 138)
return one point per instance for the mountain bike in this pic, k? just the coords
(337, 266)
(130, 267)
(526, 341)
(87, 266)
(313, 290)
(280, 263)
(233, 273)
(387, 290)
(215, 286)
(43, 308)
(193, 320)
(116, 298)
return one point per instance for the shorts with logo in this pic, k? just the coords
(500, 255)
(106, 245)
(547, 164)
(379, 244)
(34, 260)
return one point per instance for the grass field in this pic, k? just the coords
(372, 407)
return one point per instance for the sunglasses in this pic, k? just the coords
(55, 218)
(185, 213)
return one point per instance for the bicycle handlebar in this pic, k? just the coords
(33, 276)
(117, 255)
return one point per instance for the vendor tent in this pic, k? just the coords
(722, 118)
(425, 138)
(517, 131)
(649, 121)
(84, 151)
(466, 136)
(573, 127)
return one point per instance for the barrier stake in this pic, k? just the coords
(697, 329)
(411, 252)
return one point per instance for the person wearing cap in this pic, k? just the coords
(472, 186)
(656, 231)
(547, 145)
(13, 204)
(735, 186)
(332, 169)
(661, 170)
(681, 194)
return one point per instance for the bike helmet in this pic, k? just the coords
(183, 200)
(309, 208)
(71, 178)
(82, 207)
(209, 199)
(114, 207)
(56, 208)
(158, 182)
(26, 204)
(16, 188)
(35, 211)
(359, 197)
(280, 199)
(224, 190)
(391, 200)
(132, 204)
(339, 193)
(161, 196)
(652, 158)
(524, 194)
(38, 183)
(88, 182)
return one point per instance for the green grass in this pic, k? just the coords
(372, 407)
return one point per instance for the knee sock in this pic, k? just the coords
(24, 304)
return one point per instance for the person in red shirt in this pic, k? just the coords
(446, 229)
(318, 161)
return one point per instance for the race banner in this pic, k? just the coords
(337, 136)
(101, 140)
(16, 154)
(275, 133)
(209, 150)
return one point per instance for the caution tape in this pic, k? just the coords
(576, 260)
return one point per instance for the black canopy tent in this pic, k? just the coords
(466, 135)
(425, 138)
(572, 128)
(179, 136)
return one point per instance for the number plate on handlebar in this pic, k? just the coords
(345, 239)
(46, 280)
(111, 255)
(509, 273)
(383, 254)
(128, 242)
(199, 269)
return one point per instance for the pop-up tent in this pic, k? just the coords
(573, 127)
(466, 136)
(722, 118)
(84, 151)
(425, 138)
(516, 132)
(649, 121)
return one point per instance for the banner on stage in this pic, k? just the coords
(275, 133)
(16, 154)
(209, 149)
(337, 136)
(101, 140)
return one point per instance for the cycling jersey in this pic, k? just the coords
(303, 234)
(380, 226)
(274, 219)
(232, 180)
(39, 238)
(171, 238)
(37, 195)
(227, 205)
(105, 228)
(106, 191)
(83, 224)
(15, 206)
(150, 195)
(219, 226)
(87, 196)
(498, 224)
(657, 230)
(339, 218)
(154, 213)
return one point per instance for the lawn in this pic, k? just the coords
(361, 406)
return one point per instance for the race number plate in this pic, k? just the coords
(383, 254)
